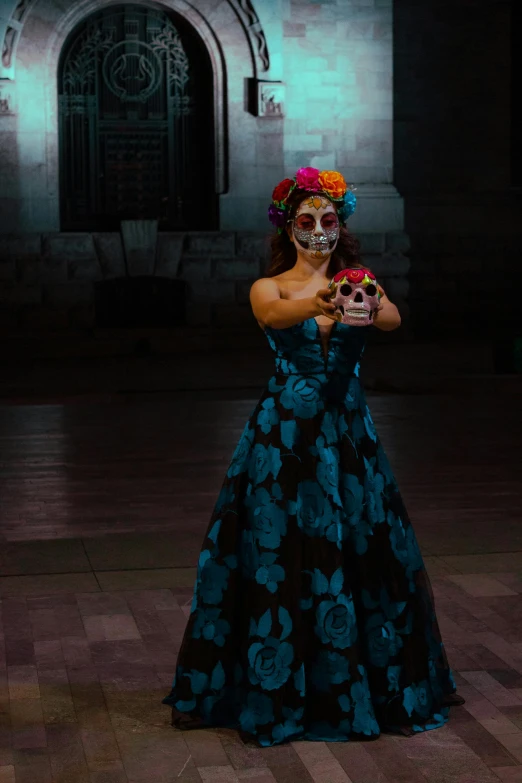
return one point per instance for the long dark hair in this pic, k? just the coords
(284, 253)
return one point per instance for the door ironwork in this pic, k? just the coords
(136, 130)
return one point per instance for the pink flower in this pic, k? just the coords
(308, 178)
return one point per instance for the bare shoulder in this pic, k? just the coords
(262, 292)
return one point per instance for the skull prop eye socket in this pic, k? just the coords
(346, 289)
(371, 290)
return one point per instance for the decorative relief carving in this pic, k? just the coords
(255, 30)
(11, 36)
(270, 99)
(244, 8)
(168, 43)
(6, 102)
(132, 71)
(79, 70)
(21, 10)
(8, 46)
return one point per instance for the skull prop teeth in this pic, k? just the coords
(355, 296)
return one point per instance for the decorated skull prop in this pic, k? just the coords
(355, 295)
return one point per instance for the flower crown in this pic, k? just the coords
(331, 183)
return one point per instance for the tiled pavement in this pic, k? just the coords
(83, 671)
(92, 613)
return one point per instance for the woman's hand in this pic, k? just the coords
(380, 305)
(323, 304)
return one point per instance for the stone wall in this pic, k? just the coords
(333, 61)
(452, 162)
(47, 280)
(338, 66)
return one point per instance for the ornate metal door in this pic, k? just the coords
(136, 130)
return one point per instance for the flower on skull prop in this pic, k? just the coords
(356, 296)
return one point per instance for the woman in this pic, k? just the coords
(312, 614)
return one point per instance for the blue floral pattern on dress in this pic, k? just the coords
(312, 614)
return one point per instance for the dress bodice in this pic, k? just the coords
(299, 350)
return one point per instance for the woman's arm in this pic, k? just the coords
(271, 310)
(387, 318)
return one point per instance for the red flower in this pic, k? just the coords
(282, 190)
(353, 275)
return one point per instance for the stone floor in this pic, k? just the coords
(105, 494)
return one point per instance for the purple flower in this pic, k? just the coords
(276, 216)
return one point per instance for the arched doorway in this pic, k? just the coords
(136, 123)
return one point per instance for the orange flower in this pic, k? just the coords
(333, 183)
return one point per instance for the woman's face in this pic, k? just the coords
(315, 228)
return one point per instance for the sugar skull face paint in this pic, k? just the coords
(316, 227)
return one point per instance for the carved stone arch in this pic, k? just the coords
(136, 122)
(249, 18)
(14, 21)
(226, 30)
(206, 32)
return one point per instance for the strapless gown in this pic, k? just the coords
(312, 615)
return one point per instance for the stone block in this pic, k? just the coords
(397, 264)
(31, 151)
(376, 263)
(17, 294)
(243, 153)
(454, 266)
(437, 285)
(199, 314)
(82, 317)
(377, 214)
(239, 315)
(39, 214)
(44, 319)
(194, 270)
(254, 245)
(66, 247)
(397, 288)
(267, 178)
(168, 254)
(403, 308)
(373, 151)
(17, 247)
(8, 163)
(109, 250)
(213, 292)
(244, 214)
(269, 147)
(7, 270)
(210, 243)
(236, 268)
(294, 30)
(243, 291)
(85, 270)
(9, 321)
(372, 244)
(297, 142)
(71, 294)
(139, 244)
(397, 241)
(297, 108)
(44, 270)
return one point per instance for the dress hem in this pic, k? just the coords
(187, 721)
